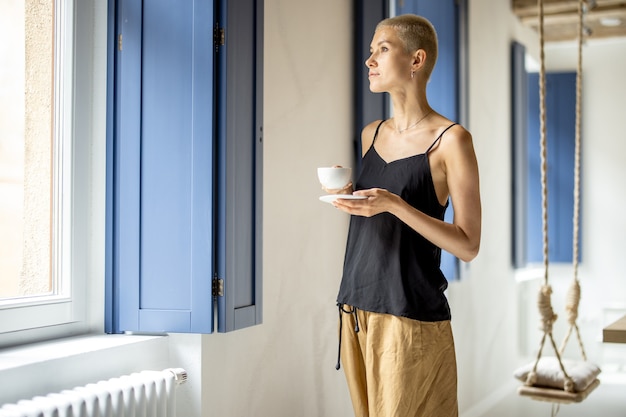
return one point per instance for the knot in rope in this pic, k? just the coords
(548, 317)
(572, 301)
(568, 384)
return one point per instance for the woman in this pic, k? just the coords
(396, 343)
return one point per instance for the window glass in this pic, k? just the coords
(27, 141)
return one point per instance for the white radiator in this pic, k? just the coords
(142, 394)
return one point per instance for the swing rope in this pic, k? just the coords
(573, 294)
(544, 302)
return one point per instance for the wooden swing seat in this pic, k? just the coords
(549, 380)
(555, 395)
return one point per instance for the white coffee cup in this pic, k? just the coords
(334, 178)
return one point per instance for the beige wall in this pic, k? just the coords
(286, 366)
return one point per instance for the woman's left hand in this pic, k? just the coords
(378, 201)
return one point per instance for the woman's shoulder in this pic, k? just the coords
(455, 143)
(370, 129)
(452, 133)
(368, 134)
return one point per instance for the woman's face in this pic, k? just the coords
(389, 64)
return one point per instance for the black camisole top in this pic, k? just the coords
(389, 267)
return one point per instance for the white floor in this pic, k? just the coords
(608, 400)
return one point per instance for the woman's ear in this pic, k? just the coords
(419, 59)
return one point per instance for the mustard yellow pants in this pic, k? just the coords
(398, 367)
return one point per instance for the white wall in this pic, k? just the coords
(604, 145)
(285, 367)
(483, 304)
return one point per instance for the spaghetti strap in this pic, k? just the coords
(439, 137)
(376, 133)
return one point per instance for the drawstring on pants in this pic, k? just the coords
(356, 328)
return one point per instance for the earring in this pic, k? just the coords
(412, 74)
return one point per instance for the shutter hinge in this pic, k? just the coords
(119, 42)
(218, 287)
(219, 36)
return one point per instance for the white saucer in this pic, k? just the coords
(329, 198)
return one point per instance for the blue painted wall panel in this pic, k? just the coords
(560, 126)
(443, 87)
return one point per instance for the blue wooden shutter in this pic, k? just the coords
(560, 112)
(239, 164)
(162, 199)
(186, 171)
(443, 88)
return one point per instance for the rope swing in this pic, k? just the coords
(554, 379)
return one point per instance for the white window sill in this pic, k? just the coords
(52, 366)
(557, 270)
(15, 357)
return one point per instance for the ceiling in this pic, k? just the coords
(602, 19)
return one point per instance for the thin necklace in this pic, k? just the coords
(414, 124)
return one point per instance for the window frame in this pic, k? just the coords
(75, 309)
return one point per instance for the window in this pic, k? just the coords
(560, 126)
(185, 164)
(45, 171)
(26, 159)
(88, 232)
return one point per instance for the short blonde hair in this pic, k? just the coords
(416, 32)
